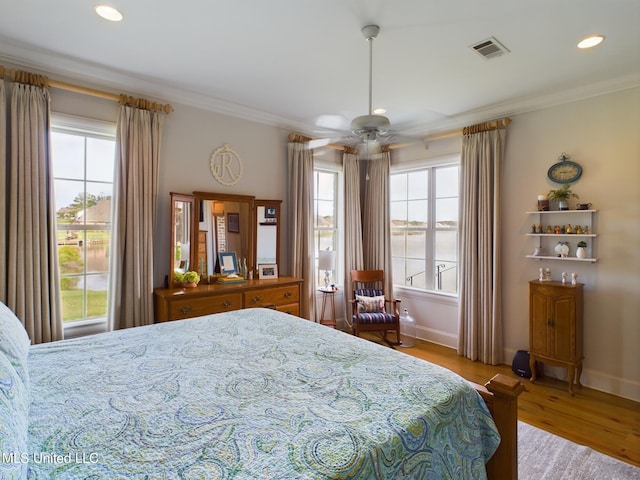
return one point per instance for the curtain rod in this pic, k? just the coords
(122, 99)
(480, 127)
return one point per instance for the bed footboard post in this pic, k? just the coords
(504, 409)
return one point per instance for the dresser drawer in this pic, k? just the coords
(272, 296)
(291, 309)
(194, 307)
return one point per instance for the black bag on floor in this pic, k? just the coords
(520, 365)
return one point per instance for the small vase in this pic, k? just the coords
(190, 285)
(581, 252)
(563, 205)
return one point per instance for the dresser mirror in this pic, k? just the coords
(224, 223)
(183, 223)
(205, 224)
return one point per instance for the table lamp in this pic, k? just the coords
(326, 259)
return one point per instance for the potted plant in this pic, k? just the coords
(581, 251)
(562, 196)
(191, 279)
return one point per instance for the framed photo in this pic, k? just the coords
(233, 222)
(267, 270)
(270, 212)
(228, 262)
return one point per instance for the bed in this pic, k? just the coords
(249, 394)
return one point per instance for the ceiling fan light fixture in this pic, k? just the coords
(370, 123)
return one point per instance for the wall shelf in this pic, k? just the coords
(547, 241)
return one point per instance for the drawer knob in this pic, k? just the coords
(227, 303)
(287, 294)
(256, 299)
(185, 310)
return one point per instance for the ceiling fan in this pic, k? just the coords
(369, 127)
(373, 130)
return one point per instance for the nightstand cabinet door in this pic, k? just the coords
(555, 327)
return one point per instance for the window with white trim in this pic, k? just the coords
(424, 227)
(83, 167)
(327, 201)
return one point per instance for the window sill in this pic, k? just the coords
(82, 328)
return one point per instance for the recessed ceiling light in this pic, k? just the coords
(108, 13)
(379, 111)
(591, 41)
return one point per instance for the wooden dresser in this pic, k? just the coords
(555, 327)
(178, 303)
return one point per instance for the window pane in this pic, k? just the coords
(447, 181)
(447, 212)
(398, 214)
(100, 159)
(416, 274)
(446, 245)
(68, 155)
(325, 186)
(398, 243)
(326, 240)
(398, 187)
(398, 266)
(446, 277)
(69, 198)
(418, 213)
(96, 250)
(325, 213)
(96, 295)
(418, 185)
(416, 243)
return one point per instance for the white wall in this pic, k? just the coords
(603, 135)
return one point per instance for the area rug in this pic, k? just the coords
(544, 456)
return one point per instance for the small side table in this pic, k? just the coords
(328, 298)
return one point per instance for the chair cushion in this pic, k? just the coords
(370, 304)
(379, 318)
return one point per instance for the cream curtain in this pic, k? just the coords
(376, 229)
(302, 255)
(480, 312)
(135, 196)
(31, 282)
(353, 259)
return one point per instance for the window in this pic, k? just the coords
(424, 228)
(326, 200)
(83, 166)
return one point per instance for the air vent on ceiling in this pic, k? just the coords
(490, 48)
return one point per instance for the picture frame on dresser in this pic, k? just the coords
(267, 270)
(228, 262)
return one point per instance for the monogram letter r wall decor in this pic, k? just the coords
(226, 166)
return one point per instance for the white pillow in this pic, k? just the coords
(14, 341)
(370, 304)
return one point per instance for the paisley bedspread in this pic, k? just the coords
(251, 394)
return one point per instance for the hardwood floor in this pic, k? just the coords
(604, 422)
